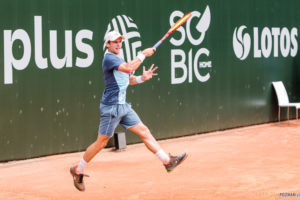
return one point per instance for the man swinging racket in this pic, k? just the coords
(115, 110)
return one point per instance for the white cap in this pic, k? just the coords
(112, 36)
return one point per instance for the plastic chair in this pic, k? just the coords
(283, 99)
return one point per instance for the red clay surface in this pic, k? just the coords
(257, 162)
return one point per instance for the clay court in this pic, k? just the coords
(256, 162)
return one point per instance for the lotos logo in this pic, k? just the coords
(186, 64)
(241, 43)
(268, 42)
(129, 30)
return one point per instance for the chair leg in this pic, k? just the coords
(279, 114)
(296, 113)
(288, 113)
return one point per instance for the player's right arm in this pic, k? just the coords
(135, 63)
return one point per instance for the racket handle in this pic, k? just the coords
(157, 44)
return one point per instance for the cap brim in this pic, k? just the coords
(123, 38)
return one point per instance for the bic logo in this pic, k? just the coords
(129, 30)
(268, 42)
(186, 64)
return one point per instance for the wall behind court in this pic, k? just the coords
(215, 72)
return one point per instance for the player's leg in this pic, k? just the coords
(77, 170)
(95, 148)
(144, 133)
(132, 122)
(170, 162)
(108, 123)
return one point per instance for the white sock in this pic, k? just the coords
(80, 167)
(163, 156)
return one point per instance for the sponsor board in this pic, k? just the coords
(265, 43)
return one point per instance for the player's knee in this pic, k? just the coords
(101, 142)
(101, 145)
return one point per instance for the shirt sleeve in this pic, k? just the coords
(111, 62)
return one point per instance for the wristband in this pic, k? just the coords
(139, 79)
(141, 56)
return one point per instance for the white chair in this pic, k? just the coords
(283, 99)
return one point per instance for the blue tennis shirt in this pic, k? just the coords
(116, 82)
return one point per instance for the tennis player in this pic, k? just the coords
(115, 110)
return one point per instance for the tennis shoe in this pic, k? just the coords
(175, 161)
(78, 179)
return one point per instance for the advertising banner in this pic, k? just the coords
(215, 72)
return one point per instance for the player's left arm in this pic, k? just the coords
(147, 75)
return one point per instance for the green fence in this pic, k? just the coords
(215, 72)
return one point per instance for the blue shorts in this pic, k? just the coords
(113, 115)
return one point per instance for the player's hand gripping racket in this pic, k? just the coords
(173, 28)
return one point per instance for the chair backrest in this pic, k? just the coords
(281, 93)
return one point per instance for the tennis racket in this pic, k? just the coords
(173, 28)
